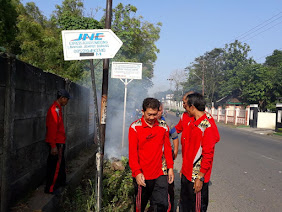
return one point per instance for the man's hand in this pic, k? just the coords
(140, 179)
(54, 151)
(170, 176)
(175, 144)
(198, 185)
(175, 154)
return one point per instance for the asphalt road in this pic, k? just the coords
(247, 172)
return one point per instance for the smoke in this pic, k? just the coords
(136, 92)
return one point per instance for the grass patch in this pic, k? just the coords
(278, 133)
(117, 191)
(243, 126)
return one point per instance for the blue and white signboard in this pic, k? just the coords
(90, 44)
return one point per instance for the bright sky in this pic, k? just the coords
(193, 27)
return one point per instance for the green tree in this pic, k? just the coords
(275, 59)
(139, 39)
(209, 68)
(254, 82)
(69, 16)
(8, 28)
(235, 58)
(274, 66)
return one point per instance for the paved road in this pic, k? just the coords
(247, 172)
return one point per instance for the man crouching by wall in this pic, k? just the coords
(56, 138)
(148, 136)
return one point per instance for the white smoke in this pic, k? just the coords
(114, 124)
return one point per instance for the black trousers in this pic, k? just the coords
(188, 197)
(156, 190)
(56, 171)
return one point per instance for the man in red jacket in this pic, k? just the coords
(197, 156)
(148, 141)
(182, 126)
(56, 138)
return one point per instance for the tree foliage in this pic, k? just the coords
(8, 29)
(138, 37)
(37, 40)
(229, 72)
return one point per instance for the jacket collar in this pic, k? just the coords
(144, 124)
(197, 122)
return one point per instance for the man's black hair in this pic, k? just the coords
(197, 100)
(150, 103)
(63, 93)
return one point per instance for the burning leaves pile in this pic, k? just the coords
(117, 189)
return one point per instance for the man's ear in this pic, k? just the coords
(143, 112)
(192, 108)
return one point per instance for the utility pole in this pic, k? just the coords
(100, 153)
(203, 77)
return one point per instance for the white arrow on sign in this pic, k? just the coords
(90, 44)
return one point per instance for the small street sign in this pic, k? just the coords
(126, 70)
(90, 44)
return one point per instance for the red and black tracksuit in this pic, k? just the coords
(55, 137)
(146, 148)
(199, 142)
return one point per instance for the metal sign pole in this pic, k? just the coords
(124, 109)
(100, 154)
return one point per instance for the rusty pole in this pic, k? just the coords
(100, 154)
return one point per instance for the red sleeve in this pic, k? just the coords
(52, 126)
(133, 152)
(179, 126)
(209, 140)
(168, 151)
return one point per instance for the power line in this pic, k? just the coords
(262, 31)
(263, 25)
(266, 55)
(261, 28)
(259, 25)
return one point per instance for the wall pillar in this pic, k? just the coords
(247, 116)
(236, 114)
(226, 113)
(219, 112)
(8, 131)
(212, 111)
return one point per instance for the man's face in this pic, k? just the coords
(150, 115)
(189, 109)
(64, 101)
(184, 99)
(160, 112)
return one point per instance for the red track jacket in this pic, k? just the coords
(146, 146)
(199, 150)
(182, 127)
(55, 130)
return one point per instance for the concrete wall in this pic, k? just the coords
(26, 93)
(266, 120)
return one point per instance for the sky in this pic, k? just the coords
(192, 27)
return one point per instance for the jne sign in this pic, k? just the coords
(90, 44)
